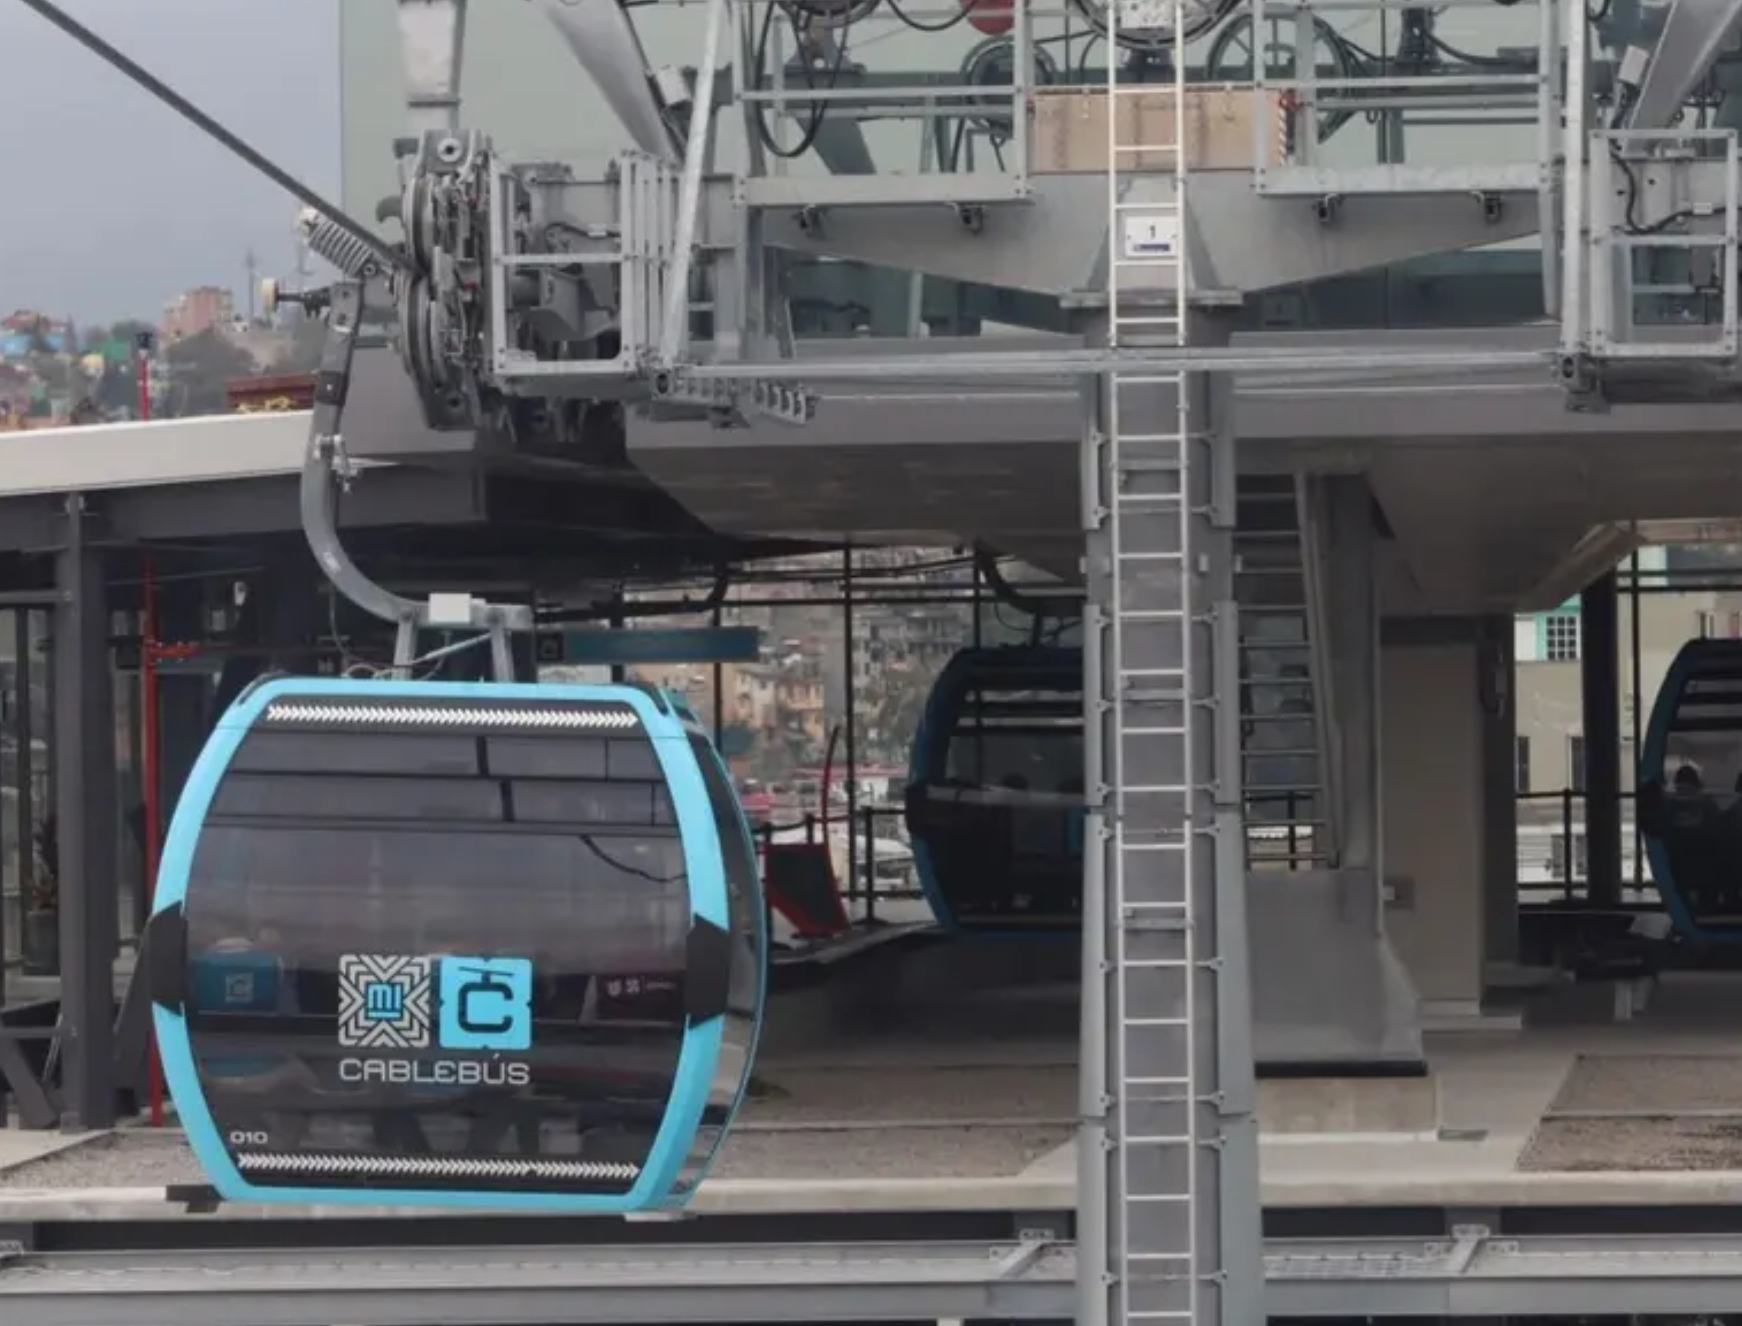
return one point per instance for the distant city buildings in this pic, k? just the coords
(193, 312)
(53, 372)
(27, 332)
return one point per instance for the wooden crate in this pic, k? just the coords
(1068, 134)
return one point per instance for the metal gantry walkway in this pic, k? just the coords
(1467, 1275)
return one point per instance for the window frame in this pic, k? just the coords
(1563, 637)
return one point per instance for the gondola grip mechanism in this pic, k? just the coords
(326, 467)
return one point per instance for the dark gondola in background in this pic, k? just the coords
(1690, 791)
(995, 790)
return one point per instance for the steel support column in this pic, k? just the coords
(1168, 1200)
(1600, 677)
(1499, 793)
(84, 736)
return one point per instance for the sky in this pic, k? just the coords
(112, 204)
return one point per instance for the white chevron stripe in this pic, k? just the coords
(433, 716)
(439, 1167)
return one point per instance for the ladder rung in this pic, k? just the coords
(1156, 1022)
(1159, 1139)
(1158, 731)
(1157, 1198)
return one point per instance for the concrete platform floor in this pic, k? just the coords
(973, 1107)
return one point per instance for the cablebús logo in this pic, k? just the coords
(397, 1009)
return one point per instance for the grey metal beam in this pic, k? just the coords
(1694, 31)
(35, 1104)
(1023, 363)
(1429, 632)
(432, 43)
(1468, 1274)
(451, 1287)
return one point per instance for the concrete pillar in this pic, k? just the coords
(1432, 743)
(1330, 993)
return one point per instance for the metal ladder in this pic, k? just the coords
(1153, 1189)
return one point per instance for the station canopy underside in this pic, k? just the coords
(1497, 496)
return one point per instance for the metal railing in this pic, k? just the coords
(861, 888)
(1284, 843)
(1552, 855)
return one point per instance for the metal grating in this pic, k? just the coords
(315, 1164)
(479, 716)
